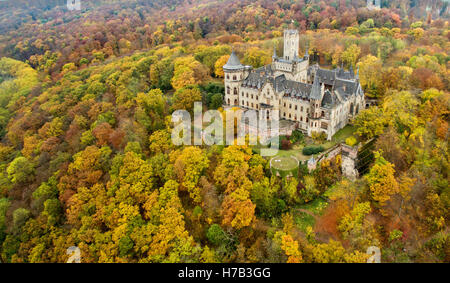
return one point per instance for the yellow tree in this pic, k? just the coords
(218, 66)
(370, 75)
(351, 54)
(381, 180)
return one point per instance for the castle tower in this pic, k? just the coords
(291, 43)
(315, 114)
(234, 74)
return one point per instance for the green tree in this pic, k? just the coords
(20, 170)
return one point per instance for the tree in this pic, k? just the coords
(184, 98)
(20, 170)
(256, 57)
(370, 75)
(381, 180)
(370, 122)
(216, 235)
(218, 66)
(351, 55)
(189, 166)
(188, 71)
(20, 217)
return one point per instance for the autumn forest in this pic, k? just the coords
(86, 158)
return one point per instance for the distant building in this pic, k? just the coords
(314, 99)
(373, 4)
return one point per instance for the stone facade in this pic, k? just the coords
(315, 99)
(373, 4)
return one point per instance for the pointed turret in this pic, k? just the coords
(233, 63)
(306, 53)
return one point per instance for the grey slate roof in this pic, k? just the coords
(233, 63)
(343, 84)
(330, 99)
(316, 92)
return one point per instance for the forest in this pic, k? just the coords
(86, 157)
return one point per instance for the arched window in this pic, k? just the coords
(228, 90)
(228, 101)
(234, 77)
(228, 77)
(323, 114)
(235, 91)
(301, 119)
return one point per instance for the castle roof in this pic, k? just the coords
(316, 92)
(233, 63)
(330, 99)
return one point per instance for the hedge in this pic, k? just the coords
(310, 150)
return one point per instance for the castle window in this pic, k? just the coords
(228, 89)
(247, 95)
(257, 106)
(235, 91)
(243, 102)
(252, 96)
(290, 106)
(242, 94)
(228, 101)
(247, 103)
(252, 105)
(295, 107)
(234, 78)
(323, 114)
(307, 120)
(289, 115)
(301, 108)
(228, 77)
(285, 104)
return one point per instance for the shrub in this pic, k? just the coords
(285, 144)
(297, 136)
(351, 141)
(310, 150)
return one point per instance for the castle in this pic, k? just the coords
(373, 4)
(312, 98)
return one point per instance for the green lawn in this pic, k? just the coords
(317, 206)
(296, 151)
(284, 162)
(303, 220)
